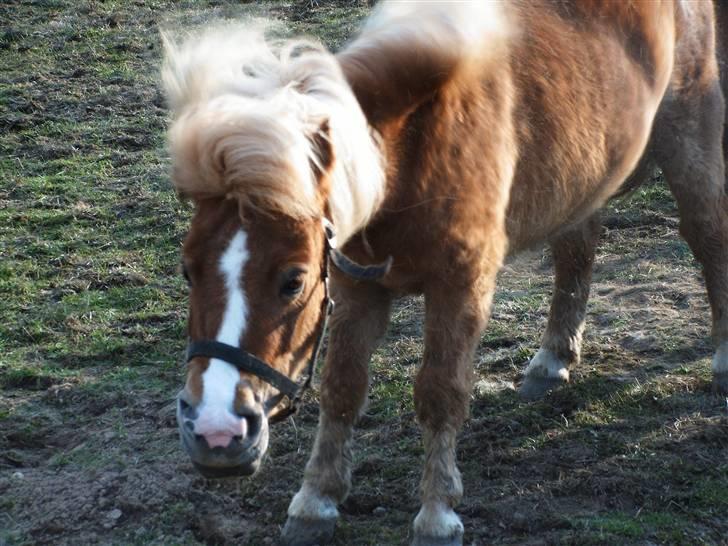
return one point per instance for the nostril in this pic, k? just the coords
(254, 424)
(190, 425)
(186, 409)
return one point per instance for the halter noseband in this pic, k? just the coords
(251, 364)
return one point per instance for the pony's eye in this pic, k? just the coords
(293, 284)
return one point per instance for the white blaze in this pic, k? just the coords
(232, 263)
(220, 378)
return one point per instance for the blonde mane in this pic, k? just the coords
(246, 113)
(248, 110)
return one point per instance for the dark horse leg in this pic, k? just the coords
(360, 319)
(688, 148)
(573, 255)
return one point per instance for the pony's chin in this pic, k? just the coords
(227, 471)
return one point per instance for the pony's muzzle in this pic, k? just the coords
(222, 443)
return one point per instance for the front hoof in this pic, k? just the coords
(535, 388)
(720, 383)
(423, 540)
(307, 532)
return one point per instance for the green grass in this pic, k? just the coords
(86, 197)
(711, 494)
(618, 526)
(93, 333)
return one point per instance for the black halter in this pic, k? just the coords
(251, 364)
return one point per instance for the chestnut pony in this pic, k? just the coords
(444, 138)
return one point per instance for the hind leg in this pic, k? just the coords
(692, 162)
(573, 254)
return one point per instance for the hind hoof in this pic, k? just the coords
(535, 388)
(720, 383)
(307, 532)
(422, 540)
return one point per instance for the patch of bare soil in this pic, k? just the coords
(119, 480)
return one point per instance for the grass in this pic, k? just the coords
(663, 526)
(93, 331)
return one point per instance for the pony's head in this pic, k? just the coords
(270, 145)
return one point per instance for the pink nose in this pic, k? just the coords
(219, 430)
(218, 439)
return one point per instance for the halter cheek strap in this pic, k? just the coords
(252, 365)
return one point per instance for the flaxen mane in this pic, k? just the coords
(248, 112)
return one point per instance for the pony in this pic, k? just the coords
(441, 140)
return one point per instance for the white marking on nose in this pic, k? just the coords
(216, 420)
(232, 263)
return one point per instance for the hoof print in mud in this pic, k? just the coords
(720, 383)
(535, 388)
(421, 540)
(307, 532)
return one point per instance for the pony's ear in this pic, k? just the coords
(323, 151)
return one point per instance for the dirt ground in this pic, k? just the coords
(635, 451)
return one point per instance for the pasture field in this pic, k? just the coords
(92, 335)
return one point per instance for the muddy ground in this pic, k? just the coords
(635, 451)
